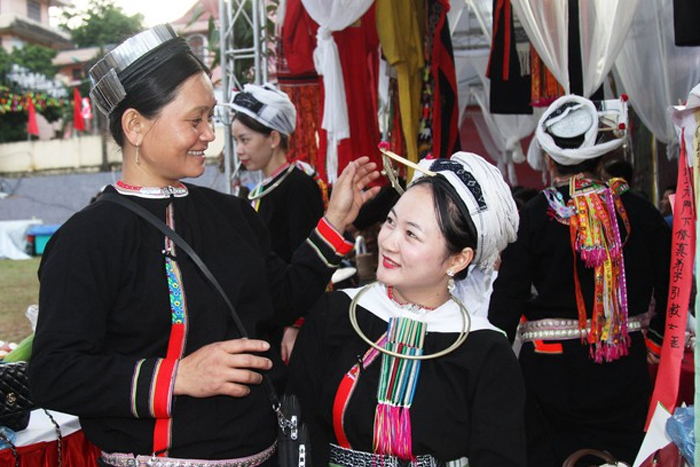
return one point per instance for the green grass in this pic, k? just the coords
(19, 288)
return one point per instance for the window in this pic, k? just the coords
(78, 74)
(34, 10)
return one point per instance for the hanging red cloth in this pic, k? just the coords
(359, 59)
(545, 87)
(32, 125)
(297, 77)
(445, 107)
(78, 122)
(667, 383)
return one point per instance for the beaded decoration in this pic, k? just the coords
(397, 385)
(264, 188)
(151, 192)
(591, 215)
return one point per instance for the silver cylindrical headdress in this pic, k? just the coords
(107, 89)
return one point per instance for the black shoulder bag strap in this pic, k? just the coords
(185, 247)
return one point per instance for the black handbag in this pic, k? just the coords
(15, 400)
(293, 447)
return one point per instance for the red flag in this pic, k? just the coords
(32, 125)
(78, 122)
(682, 255)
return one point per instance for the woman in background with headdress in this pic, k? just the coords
(291, 197)
(132, 337)
(400, 371)
(595, 254)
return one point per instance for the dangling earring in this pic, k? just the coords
(451, 281)
(138, 161)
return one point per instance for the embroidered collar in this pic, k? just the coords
(266, 187)
(445, 319)
(151, 192)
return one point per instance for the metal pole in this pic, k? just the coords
(230, 13)
(262, 30)
(225, 111)
(256, 40)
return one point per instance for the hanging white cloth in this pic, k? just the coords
(604, 24)
(505, 131)
(547, 26)
(653, 71)
(333, 15)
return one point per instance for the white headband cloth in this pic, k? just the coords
(573, 116)
(108, 74)
(268, 106)
(487, 198)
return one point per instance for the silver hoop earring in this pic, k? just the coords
(451, 281)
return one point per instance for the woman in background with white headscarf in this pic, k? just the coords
(290, 199)
(368, 400)
(583, 356)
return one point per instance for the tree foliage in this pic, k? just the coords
(5, 66)
(101, 23)
(36, 58)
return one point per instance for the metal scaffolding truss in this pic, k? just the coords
(250, 15)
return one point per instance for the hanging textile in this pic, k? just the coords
(682, 255)
(333, 15)
(547, 26)
(686, 15)
(305, 95)
(683, 249)
(439, 132)
(401, 36)
(509, 75)
(297, 77)
(504, 132)
(395, 135)
(653, 72)
(358, 47)
(545, 88)
(603, 26)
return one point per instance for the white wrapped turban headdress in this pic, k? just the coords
(268, 106)
(573, 116)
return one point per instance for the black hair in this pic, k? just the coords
(453, 218)
(590, 165)
(522, 194)
(258, 127)
(620, 168)
(149, 88)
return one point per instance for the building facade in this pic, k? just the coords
(25, 22)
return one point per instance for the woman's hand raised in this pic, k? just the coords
(349, 194)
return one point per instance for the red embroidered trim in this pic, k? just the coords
(161, 398)
(332, 236)
(345, 390)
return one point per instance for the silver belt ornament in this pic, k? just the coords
(567, 329)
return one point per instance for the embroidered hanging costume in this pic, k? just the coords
(543, 277)
(595, 235)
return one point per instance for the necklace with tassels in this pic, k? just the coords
(397, 385)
